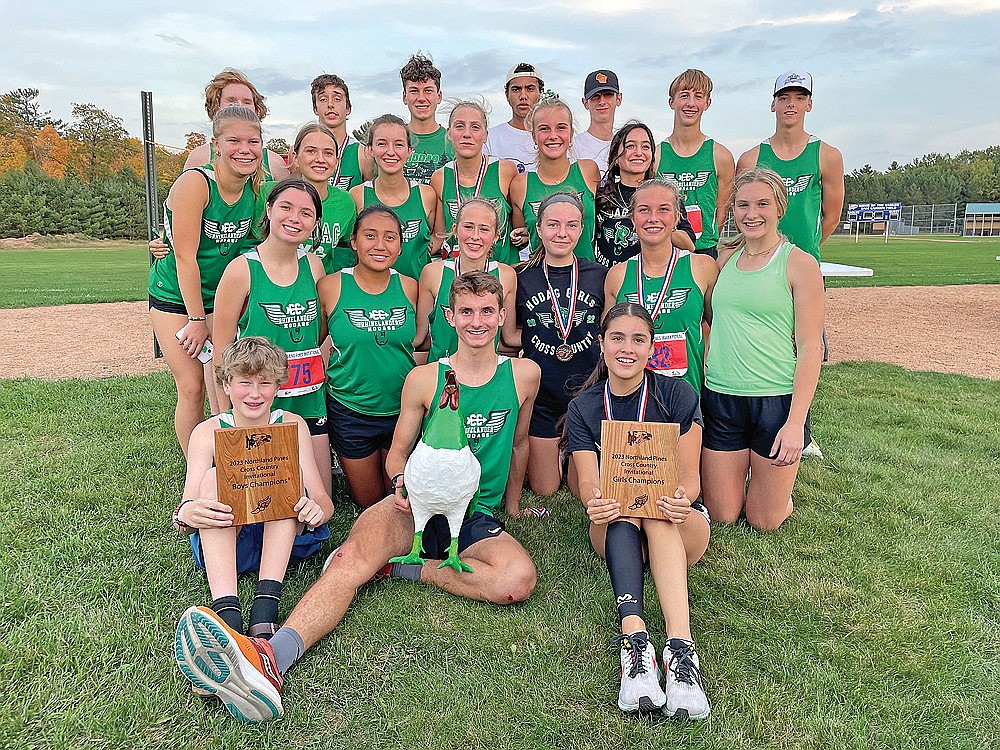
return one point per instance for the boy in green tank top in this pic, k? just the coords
(496, 395)
(702, 167)
(331, 103)
(813, 171)
(422, 95)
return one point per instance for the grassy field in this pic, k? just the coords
(871, 621)
(117, 273)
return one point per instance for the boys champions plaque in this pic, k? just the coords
(257, 470)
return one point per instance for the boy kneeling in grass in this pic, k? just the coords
(250, 370)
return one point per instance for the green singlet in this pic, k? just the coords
(490, 189)
(372, 346)
(288, 316)
(490, 413)
(327, 242)
(444, 339)
(574, 183)
(430, 152)
(678, 344)
(753, 330)
(698, 180)
(349, 173)
(803, 221)
(225, 234)
(416, 240)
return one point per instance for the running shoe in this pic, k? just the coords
(686, 697)
(812, 451)
(239, 671)
(640, 688)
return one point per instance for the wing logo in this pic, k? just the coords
(293, 317)
(225, 233)
(797, 185)
(479, 426)
(411, 229)
(378, 322)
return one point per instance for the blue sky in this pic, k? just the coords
(894, 80)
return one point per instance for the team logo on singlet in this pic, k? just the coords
(378, 322)
(798, 184)
(410, 229)
(453, 205)
(620, 235)
(548, 319)
(225, 233)
(535, 205)
(689, 180)
(293, 317)
(343, 182)
(674, 301)
(479, 426)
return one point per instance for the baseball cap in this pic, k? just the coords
(600, 80)
(793, 80)
(522, 69)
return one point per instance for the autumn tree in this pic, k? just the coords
(100, 139)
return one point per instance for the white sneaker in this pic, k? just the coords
(335, 467)
(812, 451)
(640, 689)
(686, 697)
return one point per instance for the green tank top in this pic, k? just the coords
(490, 413)
(697, 177)
(803, 221)
(416, 241)
(288, 316)
(678, 344)
(537, 190)
(753, 330)
(502, 250)
(372, 346)
(349, 172)
(430, 152)
(225, 233)
(444, 339)
(332, 231)
(226, 418)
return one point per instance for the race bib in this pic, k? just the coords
(694, 216)
(670, 356)
(305, 373)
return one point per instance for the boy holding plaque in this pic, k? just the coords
(250, 371)
(621, 388)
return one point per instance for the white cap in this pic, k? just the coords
(523, 69)
(793, 80)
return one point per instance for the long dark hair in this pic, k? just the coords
(604, 199)
(290, 183)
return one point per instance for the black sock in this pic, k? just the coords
(228, 608)
(265, 602)
(623, 553)
(409, 571)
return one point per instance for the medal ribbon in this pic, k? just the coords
(479, 180)
(671, 265)
(340, 160)
(643, 396)
(564, 326)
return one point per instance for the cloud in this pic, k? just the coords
(956, 7)
(174, 39)
(275, 82)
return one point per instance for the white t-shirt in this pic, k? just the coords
(586, 146)
(508, 142)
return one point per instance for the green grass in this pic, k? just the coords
(870, 621)
(68, 275)
(916, 261)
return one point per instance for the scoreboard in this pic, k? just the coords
(863, 212)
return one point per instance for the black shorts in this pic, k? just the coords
(316, 425)
(544, 417)
(712, 251)
(734, 423)
(356, 435)
(437, 537)
(171, 307)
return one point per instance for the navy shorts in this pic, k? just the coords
(734, 423)
(437, 537)
(545, 416)
(250, 543)
(171, 307)
(712, 252)
(316, 425)
(355, 435)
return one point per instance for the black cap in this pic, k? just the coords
(600, 80)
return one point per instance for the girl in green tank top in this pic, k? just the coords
(474, 234)
(413, 203)
(271, 292)
(670, 283)
(471, 173)
(552, 131)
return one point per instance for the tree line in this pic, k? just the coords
(86, 176)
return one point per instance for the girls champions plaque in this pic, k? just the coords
(639, 464)
(257, 470)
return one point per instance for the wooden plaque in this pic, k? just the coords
(639, 464)
(257, 471)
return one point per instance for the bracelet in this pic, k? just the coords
(178, 524)
(195, 319)
(394, 478)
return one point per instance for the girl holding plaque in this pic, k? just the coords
(370, 311)
(271, 292)
(621, 388)
(560, 299)
(764, 362)
(672, 284)
(473, 174)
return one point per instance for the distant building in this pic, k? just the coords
(982, 220)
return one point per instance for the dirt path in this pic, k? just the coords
(945, 329)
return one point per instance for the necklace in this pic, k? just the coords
(762, 252)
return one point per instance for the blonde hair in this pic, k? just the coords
(477, 200)
(479, 104)
(242, 114)
(660, 182)
(767, 177)
(548, 102)
(213, 92)
(250, 356)
(691, 79)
